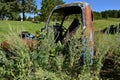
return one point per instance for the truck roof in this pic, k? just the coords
(70, 8)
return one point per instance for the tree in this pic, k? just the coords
(97, 15)
(118, 14)
(110, 13)
(9, 8)
(104, 14)
(12, 8)
(47, 6)
(28, 6)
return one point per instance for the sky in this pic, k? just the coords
(100, 5)
(96, 5)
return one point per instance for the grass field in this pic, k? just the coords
(6, 27)
(55, 61)
(25, 25)
(101, 24)
(32, 27)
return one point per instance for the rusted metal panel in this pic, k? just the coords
(89, 30)
(89, 25)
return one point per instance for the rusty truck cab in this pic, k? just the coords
(79, 10)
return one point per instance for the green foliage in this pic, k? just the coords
(49, 61)
(12, 8)
(111, 13)
(106, 14)
(16, 63)
(97, 15)
(47, 6)
(9, 9)
(56, 61)
(28, 6)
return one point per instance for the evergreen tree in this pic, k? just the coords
(118, 14)
(105, 14)
(97, 15)
(12, 8)
(47, 6)
(110, 14)
(9, 8)
(28, 6)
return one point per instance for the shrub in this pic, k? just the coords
(57, 61)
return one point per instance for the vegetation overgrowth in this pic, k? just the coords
(56, 61)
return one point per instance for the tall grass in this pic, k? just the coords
(16, 63)
(57, 61)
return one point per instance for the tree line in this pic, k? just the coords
(106, 14)
(11, 9)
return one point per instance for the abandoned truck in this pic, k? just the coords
(66, 20)
(75, 20)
